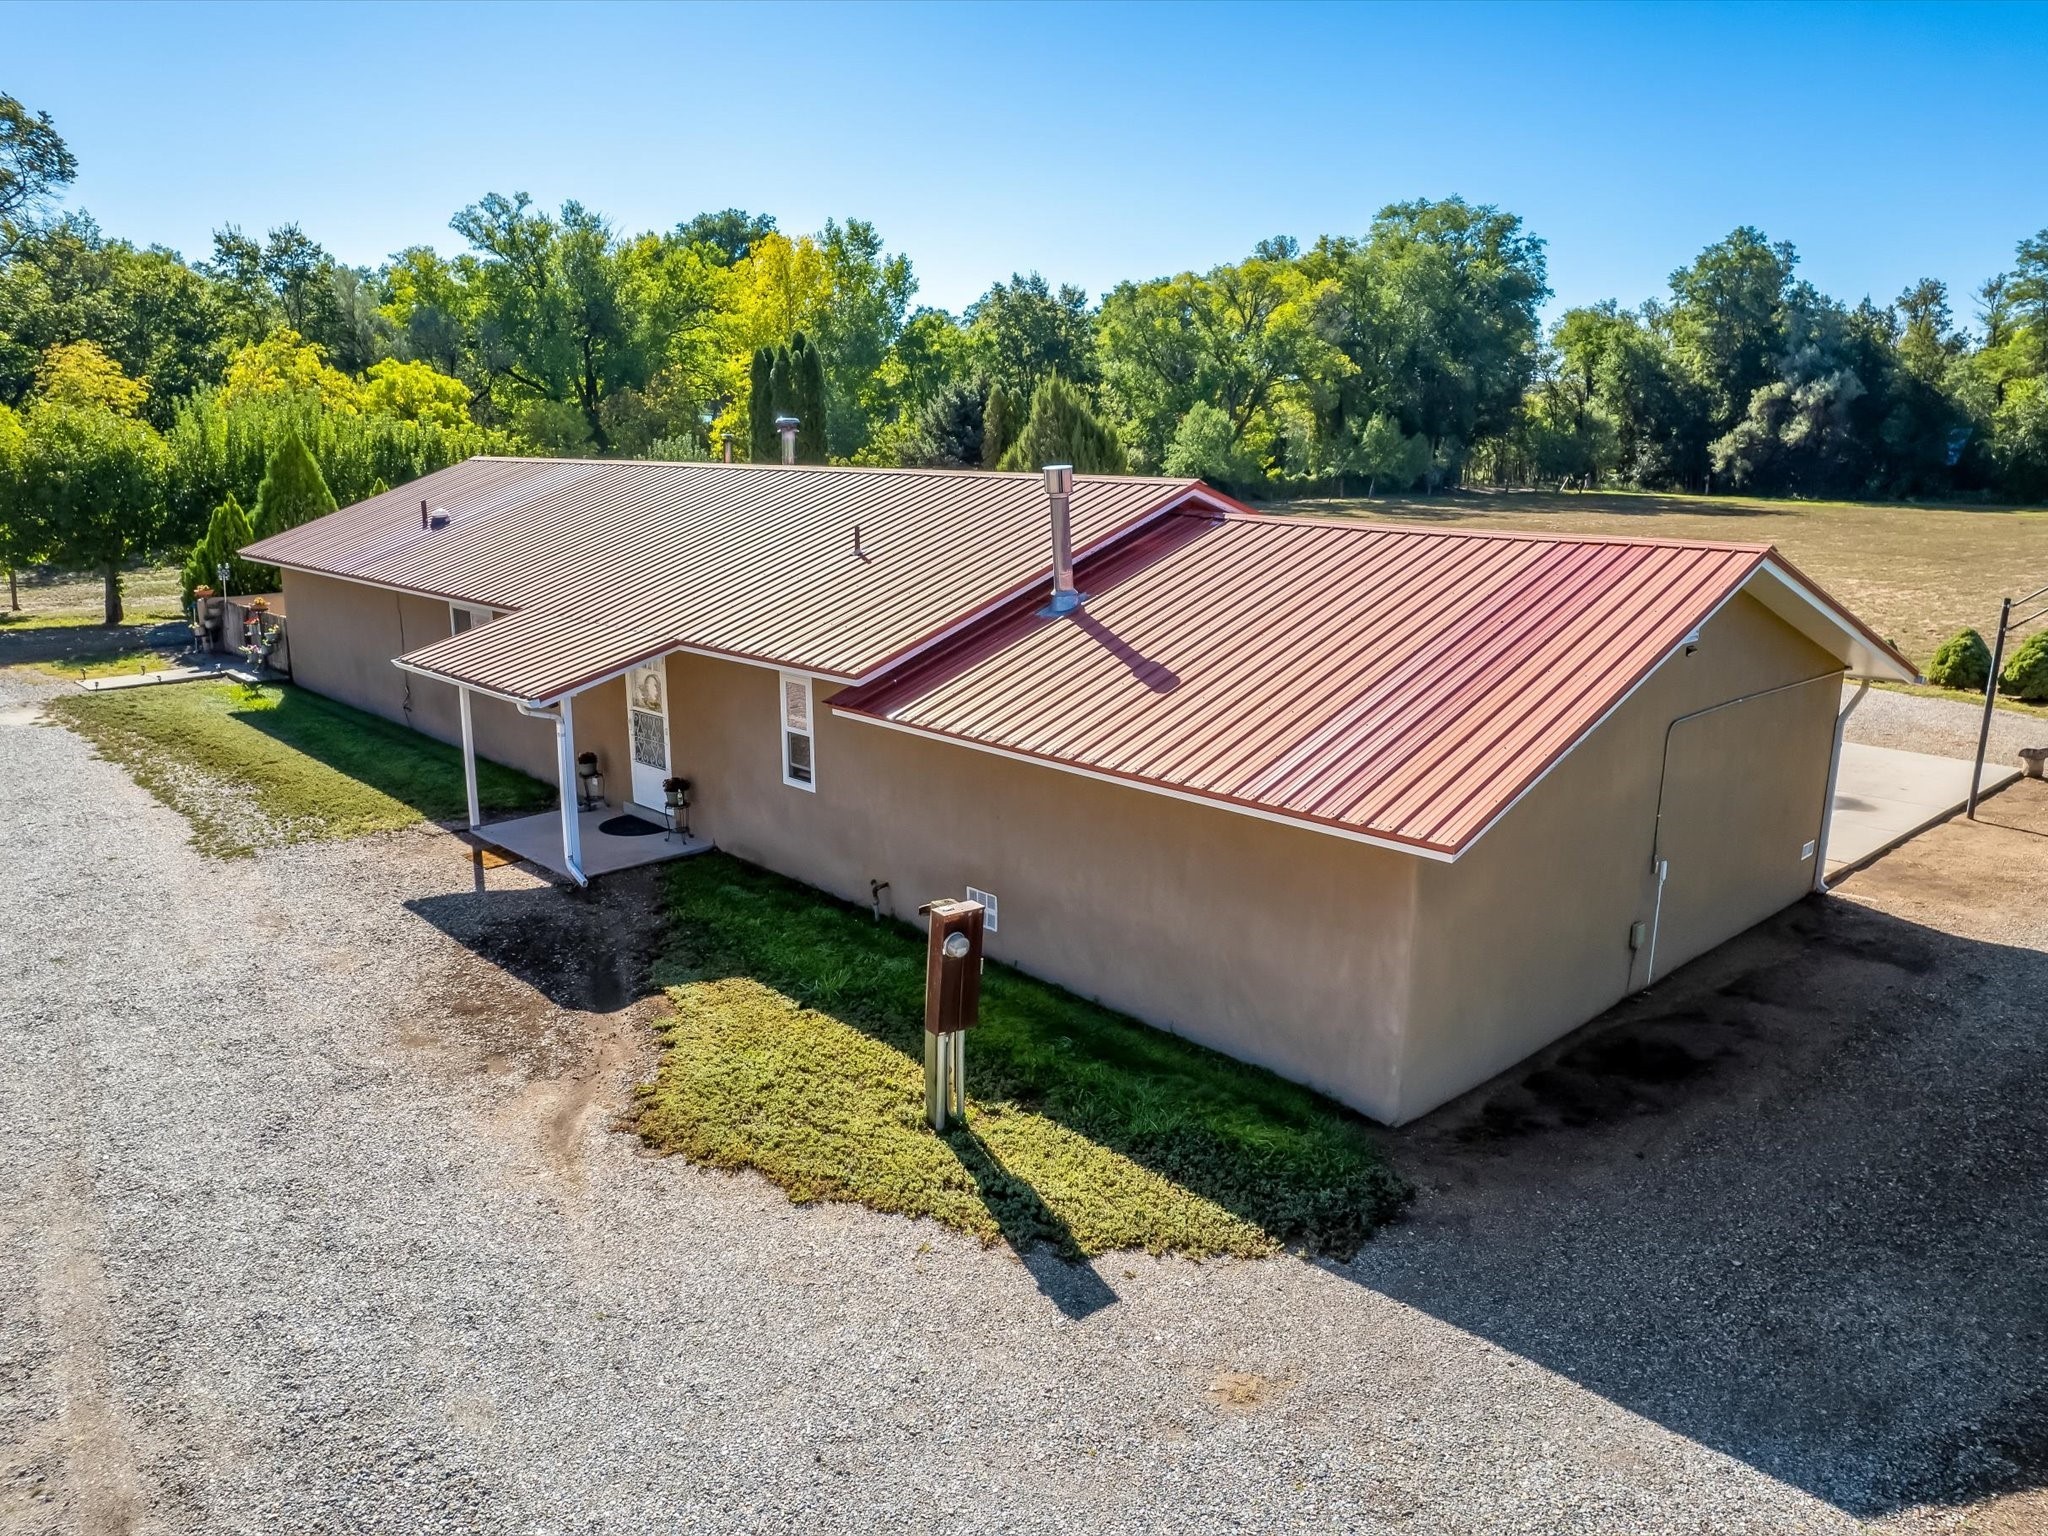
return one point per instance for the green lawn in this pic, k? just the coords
(256, 768)
(795, 1048)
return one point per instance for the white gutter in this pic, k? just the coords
(1827, 809)
(565, 770)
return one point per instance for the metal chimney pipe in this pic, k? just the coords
(423, 512)
(787, 426)
(1059, 489)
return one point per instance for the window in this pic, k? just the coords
(461, 617)
(798, 769)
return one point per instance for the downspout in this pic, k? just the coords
(565, 773)
(1827, 809)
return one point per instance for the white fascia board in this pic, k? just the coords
(1434, 855)
(1824, 624)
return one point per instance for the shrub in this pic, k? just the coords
(2026, 672)
(1964, 661)
(1206, 446)
(1062, 430)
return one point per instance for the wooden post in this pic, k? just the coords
(952, 1005)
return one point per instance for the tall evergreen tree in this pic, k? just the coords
(293, 491)
(1062, 430)
(999, 424)
(807, 365)
(226, 532)
(782, 397)
(761, 446)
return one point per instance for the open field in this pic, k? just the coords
(66, 598)
(795, 1049)
(252, 768)
(1916, 573)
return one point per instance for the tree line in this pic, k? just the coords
(140, 392)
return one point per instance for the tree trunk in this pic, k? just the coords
(13, 590)
(113, 575)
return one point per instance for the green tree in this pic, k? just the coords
(729, 235)
(781, 395)
(1728, 320)
(35, 163)
(1022, 331)
(226, 532)
(292, 492)
(21, 533)
(93, 481)
(807, 365)
(1062, 430)
(1206, 445)
(1002, 420)
(947, 432)
(761, 408)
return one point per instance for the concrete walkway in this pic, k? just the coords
(1883, 796)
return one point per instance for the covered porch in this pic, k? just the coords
(623, 829)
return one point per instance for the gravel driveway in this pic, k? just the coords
(313, 1219)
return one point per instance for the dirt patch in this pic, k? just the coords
(1245, 1391)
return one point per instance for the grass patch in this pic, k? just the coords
(796, 1048)
(1917, 574)
(127, 662)
(256, 768)
(58, 599)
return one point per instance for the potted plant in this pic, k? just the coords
(675, 795)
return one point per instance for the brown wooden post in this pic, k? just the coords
(952, 1005)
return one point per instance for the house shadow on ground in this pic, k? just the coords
(1792, 1203)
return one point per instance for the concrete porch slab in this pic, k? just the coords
(1884, 796)
(538, 840)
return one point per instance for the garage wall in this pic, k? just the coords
(1281, 946)
(343, 637)
(1526, 937)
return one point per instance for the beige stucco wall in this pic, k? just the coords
(1526, 936)
(1390, 982)
(1281, 946)
(344, 636)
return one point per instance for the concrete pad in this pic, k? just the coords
(1883, 796)
(538, 840)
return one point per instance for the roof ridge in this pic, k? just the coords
(1532, 535)
(1184, 481)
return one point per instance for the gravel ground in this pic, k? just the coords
(1944, 727)
(313, 1219)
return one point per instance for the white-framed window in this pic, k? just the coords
(799, 758)
(462, 616)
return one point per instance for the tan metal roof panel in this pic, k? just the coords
(754, 561)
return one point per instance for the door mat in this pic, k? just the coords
(630, 826)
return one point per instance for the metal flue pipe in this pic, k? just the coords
(1059, 490)
(787, 426)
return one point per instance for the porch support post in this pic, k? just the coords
(565, 760)
(476, 814)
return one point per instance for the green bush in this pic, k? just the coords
(2026, 673)
(1964, 661)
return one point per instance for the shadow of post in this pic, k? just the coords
(1043, 1243)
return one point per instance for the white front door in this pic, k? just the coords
(647, 731)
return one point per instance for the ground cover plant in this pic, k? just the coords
(254, 768)
(795, 1048)
(1916, 574)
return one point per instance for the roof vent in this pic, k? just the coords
(787, 426)
(1059, 490)
(440, 517)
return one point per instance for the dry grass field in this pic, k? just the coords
(1917, 573)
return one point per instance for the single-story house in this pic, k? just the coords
(1383, 808)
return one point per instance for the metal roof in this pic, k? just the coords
(602, 563)
(1401, 684)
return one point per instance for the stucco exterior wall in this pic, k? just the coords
(1281, 946)
(344, 636)
(1527, 936)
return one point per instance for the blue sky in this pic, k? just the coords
(1092, 143)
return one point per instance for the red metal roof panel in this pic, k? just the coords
(1405, 684)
